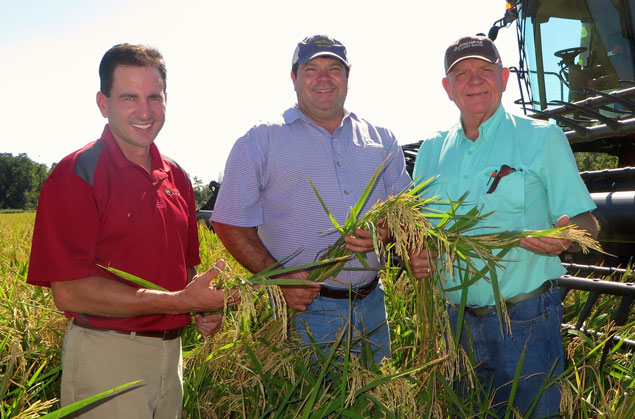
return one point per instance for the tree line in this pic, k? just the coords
(21, 179)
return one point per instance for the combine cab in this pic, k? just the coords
(576, 68)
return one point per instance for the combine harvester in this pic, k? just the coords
(577, 68)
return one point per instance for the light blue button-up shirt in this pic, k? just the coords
(266, 184)
(544, 185)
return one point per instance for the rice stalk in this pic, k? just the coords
(414, 226)
(30, 318)
(243, 373)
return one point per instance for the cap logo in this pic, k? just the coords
(469, 44)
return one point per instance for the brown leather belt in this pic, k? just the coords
(346, 293)
(512, 301)
(165, 334)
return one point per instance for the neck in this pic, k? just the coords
(144, 160)
(471, 123)
(471, 131)
(138, 155)
(329, 122)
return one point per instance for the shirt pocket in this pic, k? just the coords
(506, 200)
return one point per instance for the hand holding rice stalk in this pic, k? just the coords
(408, 218)
(248, 288)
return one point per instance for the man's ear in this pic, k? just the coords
(505, 77)
(446, 86)
(102, 104)
(293, 79)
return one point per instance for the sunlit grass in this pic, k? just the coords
(257, 373)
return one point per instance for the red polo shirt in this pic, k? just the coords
(98, 207)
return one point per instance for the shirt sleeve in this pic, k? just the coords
(427, 160)
(65, 232)
(396, 177)
(567, 193)
(239, 201)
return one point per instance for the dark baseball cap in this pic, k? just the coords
(319, 46)
(478, 46)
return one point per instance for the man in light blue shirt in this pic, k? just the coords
(266, 185)
(523, 171)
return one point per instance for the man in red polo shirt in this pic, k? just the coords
(117, 202)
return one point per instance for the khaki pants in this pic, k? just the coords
(95, 361)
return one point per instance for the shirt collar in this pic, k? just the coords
(293, 114)
(120, 160)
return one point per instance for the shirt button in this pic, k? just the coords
(464, 176)
(347, 192)
(339, 163)
(469, 152)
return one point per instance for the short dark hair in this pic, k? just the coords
(127, 54)
(294, 69)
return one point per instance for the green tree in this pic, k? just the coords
(20, 181)
(595, 161)
(201, 192)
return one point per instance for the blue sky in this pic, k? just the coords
(228, 66)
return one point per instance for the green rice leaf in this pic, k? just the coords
(357, 209)
(328, 212)
(133, 278)
(67, 410)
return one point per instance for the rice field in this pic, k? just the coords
(249, 370)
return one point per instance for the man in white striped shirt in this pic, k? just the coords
(265, 186)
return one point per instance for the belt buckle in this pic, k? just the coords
(171, 334)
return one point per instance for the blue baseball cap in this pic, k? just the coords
(319, 46)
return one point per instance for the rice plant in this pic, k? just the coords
(30, 328)
(257, 373)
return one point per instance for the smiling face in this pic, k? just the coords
(476, 87)
(321, 86)
(135, 108)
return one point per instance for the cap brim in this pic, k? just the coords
(480, 57)
(324, 54)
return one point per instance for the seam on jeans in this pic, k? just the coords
(79, 357)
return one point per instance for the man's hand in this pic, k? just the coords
(299, 297)
(208, 324)
(201, 295)
(423, 263)
(547, 245)
(362, 241)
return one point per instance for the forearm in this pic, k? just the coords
(585, 221)
(100, 296)
(245, 246)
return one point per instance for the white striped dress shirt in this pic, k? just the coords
(265, 183)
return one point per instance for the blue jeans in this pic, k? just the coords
(326, 317)
(535, 326)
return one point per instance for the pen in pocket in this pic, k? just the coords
(497, 175)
